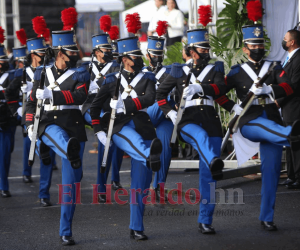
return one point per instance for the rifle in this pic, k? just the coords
(181, 107)
(111, 123)
(37, 116)
(233, 124)
(24, 98)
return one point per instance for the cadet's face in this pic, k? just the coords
(256, 46)
(69, 53)
(200, 50)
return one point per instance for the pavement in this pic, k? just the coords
(26, 225)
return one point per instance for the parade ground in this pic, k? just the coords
(26, 225)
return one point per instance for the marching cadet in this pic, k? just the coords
(200, 124)
(61, 124)
(102, 65)
(164, 126)
(262, 122)
(34, 58)
(7, 120)
(133, 131)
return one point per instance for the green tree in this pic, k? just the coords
(227, 44)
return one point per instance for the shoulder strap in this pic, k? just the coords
(160, 73)
(55, 84)
(30, 72)
(3, 78)
(205, 72)
(249, 71)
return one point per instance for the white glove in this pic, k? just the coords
(117, 104)
(19, 111)
(237, 109)
(192, 89)
(44, 93)
(1, 88)
(26, 87)
(30, 132)
(172, 115)
(264, 90)
(102, 138)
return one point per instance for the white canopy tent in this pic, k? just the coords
(99, 5)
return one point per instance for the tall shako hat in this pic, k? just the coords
(3, 56)
(199, 37)
(114, 35)
(66, 38)
(38, 44)
(156, 43)
(103, 40)
(131, 45)
(20, 52)
(253, 34)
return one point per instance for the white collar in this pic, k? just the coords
(189, 61)
(292, 53)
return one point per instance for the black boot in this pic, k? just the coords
(27, 179)
(158, 191)
(73, 151)
(153, 161)
(45, 202)
(67, 240)
(101, 198)
(5, 194)
(216, 167)
(206, 228)
(116, 185)
(138, 235)
(269, 226)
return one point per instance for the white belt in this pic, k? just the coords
(197, 102)
(49, 107)
(94, 91)
(121, 110)
(262, 101)
(2, 100)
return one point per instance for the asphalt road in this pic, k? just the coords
(25, 225)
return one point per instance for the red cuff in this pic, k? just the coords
(162, 102)
(11, 102)
(137, 103)
(222, 100)
(68, 97)
(287, 88)
(216, 89)
(95, 122)
(29, 117)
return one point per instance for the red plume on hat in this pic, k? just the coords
(69, 18)
(21, 35)
(133, 23)
(2, 37)
(254, 9)
(114, 32)
(205, 14)
(161, 28)
(40, 27)
(105, 23)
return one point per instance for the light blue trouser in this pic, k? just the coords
(57, 139)
(134, 145)
(208, 148)
(272, 138)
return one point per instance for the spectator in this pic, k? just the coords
(175, 19)
(161, 8)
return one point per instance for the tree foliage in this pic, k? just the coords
(227, 44)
